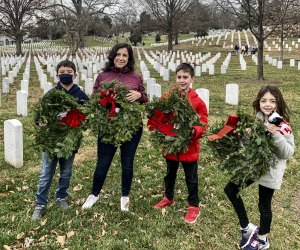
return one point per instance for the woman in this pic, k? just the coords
(120, 67)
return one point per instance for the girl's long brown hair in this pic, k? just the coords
(281, 106)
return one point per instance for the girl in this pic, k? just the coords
(268, 101)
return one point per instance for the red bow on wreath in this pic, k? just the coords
(159, 122)
(73, 118)
(107, 100)
(229, 126)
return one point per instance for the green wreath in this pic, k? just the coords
(111, 116)
(246, 153)
(171, 119)
(59, 124)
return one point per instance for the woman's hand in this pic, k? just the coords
(133, 95)
(271, 128)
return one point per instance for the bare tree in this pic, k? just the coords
(77, 16)
(262, 18)
(169, 14)
(17, 16)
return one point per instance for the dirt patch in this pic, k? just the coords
(296, 204)
(86, 153)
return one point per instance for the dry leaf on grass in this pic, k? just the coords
(20, 235)
(70, 234)
(6, 247)
(163, 211)
(61, 240)
(77, 187)
(42, 238)
(43, 222)
(6, 193)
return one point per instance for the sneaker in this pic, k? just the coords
(247, 234)
(38, 212)
(192, 214)
(90, 201)
(125, 203)
(257, 244)
(63, 204)
(165, 202)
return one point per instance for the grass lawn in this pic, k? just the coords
(104, 226)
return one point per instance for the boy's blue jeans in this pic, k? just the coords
(105, 154)
(46, 176)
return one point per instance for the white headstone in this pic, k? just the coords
(198, 70)
(13, 142)
(22, 102)
(292, 62)
(223, 69)
(279, 65)
(157, 90)
(5, 85)
(232, 94)
(204, 95)
(24, 85)
(166, 75)
(47, 87)
(88, 87)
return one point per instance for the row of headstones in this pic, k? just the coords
(285, 44)
(22, 94)
(277, 63)
(13, 128)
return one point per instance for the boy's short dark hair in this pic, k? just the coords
(66, 63)
(186, 67)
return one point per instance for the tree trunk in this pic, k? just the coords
(18, 45)
(260, 60)
(170, 41)
(176, 38)
(281, 44)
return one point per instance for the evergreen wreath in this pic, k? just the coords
(246, 153)
(60, 124)
(170, 120)
(111, 116)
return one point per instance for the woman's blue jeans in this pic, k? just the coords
(46, 176)
(105, 154)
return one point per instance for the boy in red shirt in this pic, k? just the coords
(184, 78)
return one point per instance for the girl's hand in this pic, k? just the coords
(133, 96)
(272, 128)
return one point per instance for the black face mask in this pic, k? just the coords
(66, 78)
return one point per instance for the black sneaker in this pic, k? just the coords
(38, 212)
(63, 204)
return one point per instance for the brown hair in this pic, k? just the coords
(186, 67)
(281, 106)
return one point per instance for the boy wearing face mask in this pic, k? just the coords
(66, 73)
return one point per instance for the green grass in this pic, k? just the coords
(104, 226)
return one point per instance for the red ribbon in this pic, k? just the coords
(229, 126)
(107, 100)
(159, 122)
(73, 118)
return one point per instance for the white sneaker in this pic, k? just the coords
(125, 203)
(90, 201)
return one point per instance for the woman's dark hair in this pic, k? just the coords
(281, 106)
(113, 53)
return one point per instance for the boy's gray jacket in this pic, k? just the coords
(284, 142)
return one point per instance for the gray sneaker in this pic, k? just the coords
(63, 204)
(38, 212)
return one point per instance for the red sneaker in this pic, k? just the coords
(192, 214)
(165, 202)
